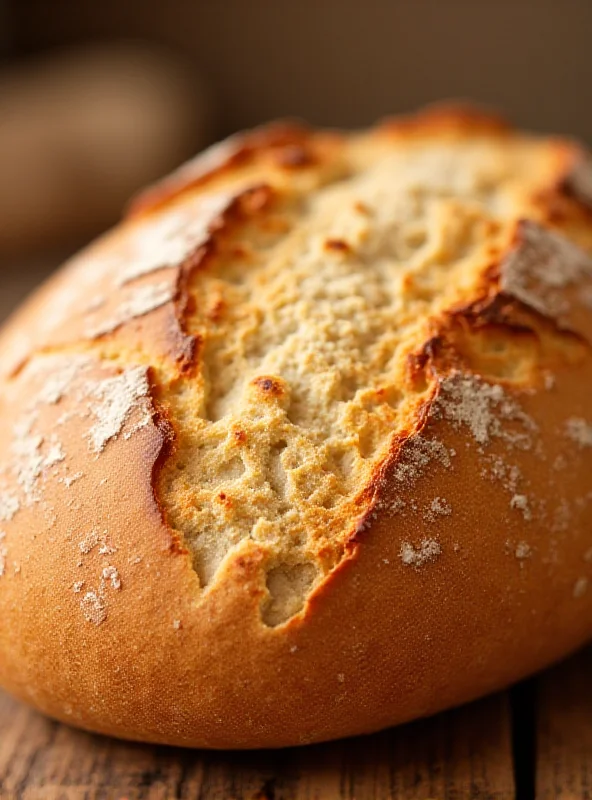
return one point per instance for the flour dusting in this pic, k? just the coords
(439, 507)
(3, 553)
(520, 501)
(94, 608)
(89, 542)
(33, 454)
(140, 300)
(69, 480)
(111, 574)
(165, 242)
(9, 505)
(580, 588)
(579, 431)
(58, 383)
(112, 402)
(523, 551)
(37, 453)
(412, 556)
(485, 409)
(541, 267)
(415, 456)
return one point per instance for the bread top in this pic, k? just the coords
(270, 330)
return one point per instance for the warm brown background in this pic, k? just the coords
(346, 62)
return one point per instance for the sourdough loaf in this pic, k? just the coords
(303, 448)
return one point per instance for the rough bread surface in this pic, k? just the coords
(303, 448)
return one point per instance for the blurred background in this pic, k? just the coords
(99, 98)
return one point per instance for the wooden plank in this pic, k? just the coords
(564, 731)
(456, 756)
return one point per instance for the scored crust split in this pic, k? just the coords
(303, 448)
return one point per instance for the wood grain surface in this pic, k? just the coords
(465, 753)
(564, 731)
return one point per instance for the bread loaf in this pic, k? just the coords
(303, 448)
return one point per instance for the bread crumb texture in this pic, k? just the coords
(285, 315)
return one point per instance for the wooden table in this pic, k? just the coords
(532, 742)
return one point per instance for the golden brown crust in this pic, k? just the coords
(169, 570)
(449, 118)
(288, 145)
